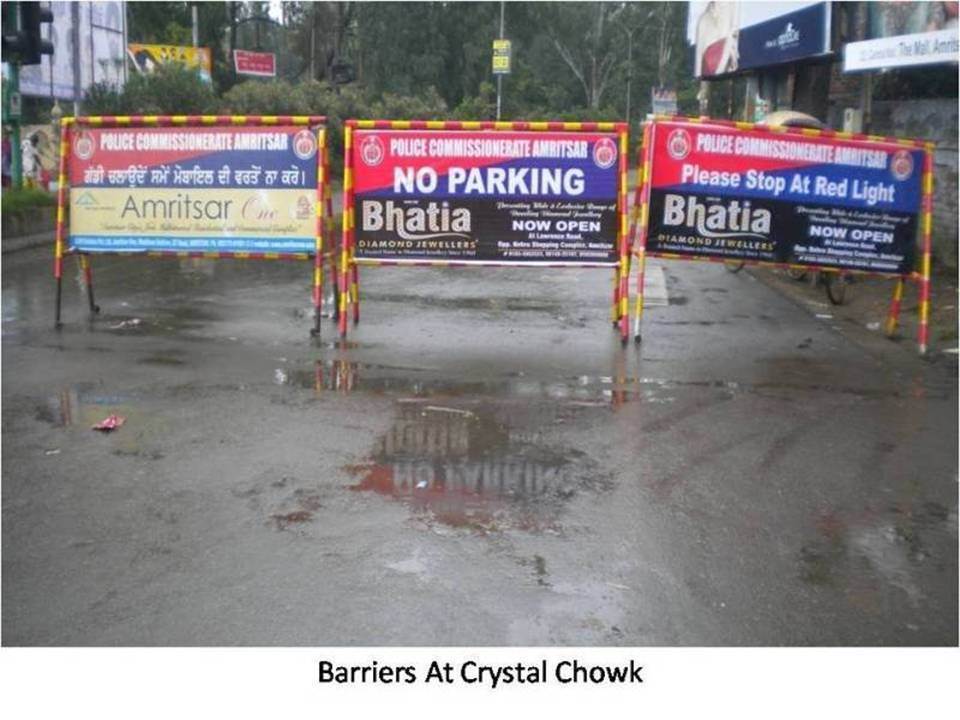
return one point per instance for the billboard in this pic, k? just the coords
(722, 192)
(905, 34)
(88, 40)
(259, 64)
(145, 58)
(209, 189)
(730, 37)
(506, 197)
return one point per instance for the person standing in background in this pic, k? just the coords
(31, 161)
(7, 158)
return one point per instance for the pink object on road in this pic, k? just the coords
(110, 423)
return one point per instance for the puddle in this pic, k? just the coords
(170, 321)
(345, 376)
(162, 360)
(587, 390)
(470, 466)
(513, 304)
(853, 551)
(81, 405)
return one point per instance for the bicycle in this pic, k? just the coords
(835, 283)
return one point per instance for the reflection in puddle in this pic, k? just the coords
(344, 376)
(612, 390)
(465, 467)
(80, 405)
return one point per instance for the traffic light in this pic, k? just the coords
(26, 45)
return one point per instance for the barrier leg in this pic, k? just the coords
(923, 331)
(615, 307)
(86, 265)
(344, 294)
(317, 292)
(60, 234)
(624, 310)
(893, 314)
(56, 323)
(638, 309)
(335, 282)
(355, 292)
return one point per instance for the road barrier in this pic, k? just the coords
(796, 198)
(451, 194)
(208, 186)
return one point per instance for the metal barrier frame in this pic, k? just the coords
(324, 201)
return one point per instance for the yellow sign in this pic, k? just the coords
(501, 57)
(190, 219)
(147, 57)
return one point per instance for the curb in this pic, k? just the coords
(24, 242)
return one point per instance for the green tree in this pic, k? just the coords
(585, 36)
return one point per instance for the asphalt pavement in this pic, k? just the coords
(480, 463)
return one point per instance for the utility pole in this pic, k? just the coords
(196, 24)
(313, 41)
(11, 100)
(500, 77)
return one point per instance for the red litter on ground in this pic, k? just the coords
(110, 423)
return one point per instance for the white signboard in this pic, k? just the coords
(101, 56)
(902, 51)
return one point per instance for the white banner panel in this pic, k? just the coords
(902, 51)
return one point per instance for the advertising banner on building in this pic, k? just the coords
(904, 34)
(756, 195)
(258, 64)
(508, 197)
(217, 189)
(147, 57)
(732, 36)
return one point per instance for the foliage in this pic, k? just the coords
(16, 201)
(171, 89)
(338, 104)
(604, 56)
(170, 23)
(413, 60)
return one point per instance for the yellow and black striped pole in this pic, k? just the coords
(926, 220)
(346, 224)
(61, 213)
(642, 210)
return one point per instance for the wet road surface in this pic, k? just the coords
(480, 464)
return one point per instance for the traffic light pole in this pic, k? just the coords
(16, 154)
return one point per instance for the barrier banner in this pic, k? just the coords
(510, 197)
(213, 186)
(801, 198)
(208, 189)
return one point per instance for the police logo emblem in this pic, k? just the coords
(304, 144)
(604, 153)
(679, 144)
(901, 165)
(83, 146)
(371, 151)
